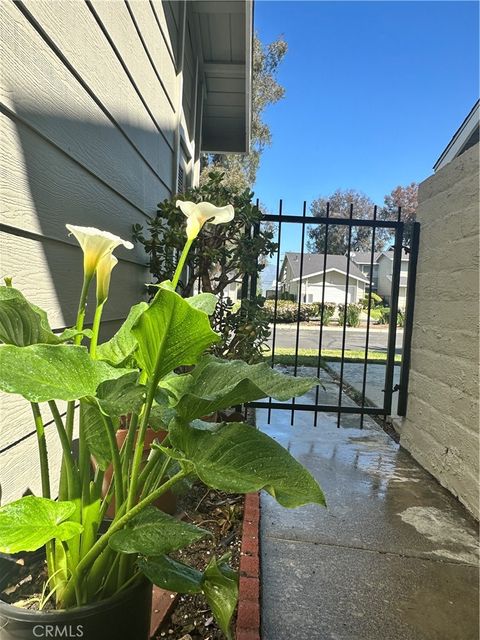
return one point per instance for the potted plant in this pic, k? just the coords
(94, 579)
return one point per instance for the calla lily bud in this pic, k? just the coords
(199, 213)
(104, 271)
(95, 244)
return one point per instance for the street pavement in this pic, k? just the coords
(286, 334)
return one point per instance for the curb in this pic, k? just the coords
(248, 615)
(162, 604)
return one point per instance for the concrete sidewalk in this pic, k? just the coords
(393, 557)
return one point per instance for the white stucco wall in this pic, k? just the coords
(441, 429)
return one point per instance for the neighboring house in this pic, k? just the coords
(384, 282)
(363, 260)
(311, 286)
(441, 428)
(466, 136)
(105, 109)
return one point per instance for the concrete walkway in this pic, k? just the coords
(375, 383)
(393, 557)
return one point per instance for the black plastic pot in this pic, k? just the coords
(125, 616)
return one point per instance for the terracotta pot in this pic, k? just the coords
(168, 501)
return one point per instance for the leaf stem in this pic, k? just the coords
(102, 542)
(181, 262)
(71, 471)
(69, 420)
(95, 330)
(42, 449)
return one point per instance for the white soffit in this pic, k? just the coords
(225, 28)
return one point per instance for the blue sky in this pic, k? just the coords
(374, 92)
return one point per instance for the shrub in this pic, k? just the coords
(376, 301)
(328, 312)
(352, 316)
(244, 330)
(288, 311)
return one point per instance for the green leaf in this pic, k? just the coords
(173, 328)
(240, 459)
(43, 372)
(171, 575)
(218, 384)
(205, 302)
(220, 586)
(23, 323)
(219, 583)
(27, 524)
(121, 396)
(95, 433)
(154, 533)
(121, 347)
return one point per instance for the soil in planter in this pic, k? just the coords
(221, 513)
(26, 589)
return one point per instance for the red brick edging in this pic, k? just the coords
(248, 616)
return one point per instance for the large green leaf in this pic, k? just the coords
(205, 302)
(220, 586)
(23, 323)
(239, 459)
(218, 384)
(121, 396)
(27, 524)
(154, 533)
(43, 372)
(172, 328)
(171, 574)
(121, 347)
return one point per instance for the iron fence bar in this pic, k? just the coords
(322, 313)
(329, 408)
(299, 305)
(408, 324)
(384, 224)
(369, 309)
(344, 333)
(392, 329)
(274, 334)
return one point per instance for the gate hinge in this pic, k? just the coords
(395, 388)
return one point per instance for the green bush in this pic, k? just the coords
(288, 311)
(384, 317)
(328, 312)
(376, 301)
(352, 315)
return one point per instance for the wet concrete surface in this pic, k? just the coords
(394, 555)
(375, 381)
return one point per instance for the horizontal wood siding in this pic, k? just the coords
(87, 128)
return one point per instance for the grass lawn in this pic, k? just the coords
(309, 357)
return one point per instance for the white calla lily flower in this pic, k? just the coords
(95, 245)
(199, 213)
(104, 272)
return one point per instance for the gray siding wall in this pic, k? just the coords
(441, 429)
(88, 121)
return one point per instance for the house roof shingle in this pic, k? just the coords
(313, 263)
(365, 257)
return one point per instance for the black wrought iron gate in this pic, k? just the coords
(401, 241)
